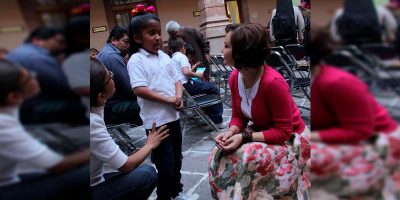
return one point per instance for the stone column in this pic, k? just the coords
(213, 22)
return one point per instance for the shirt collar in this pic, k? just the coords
(41, 49)
(98, 110)
(111, 46)
(12, 111)
(146, 53)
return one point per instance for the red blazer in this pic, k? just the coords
(342, 109)
(273, 109)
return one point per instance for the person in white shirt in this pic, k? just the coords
(195, 87)
(132, 181)
(57, 176)
(159, 91)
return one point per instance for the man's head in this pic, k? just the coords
(176, 45)
(174, 29)
(49, 38)
(119, 38)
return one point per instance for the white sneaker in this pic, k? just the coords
(222, 125)
(182, 196)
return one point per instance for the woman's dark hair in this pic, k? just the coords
(321, 45)
(10, 74)
(250, 45)
(137, 24)
(43, 33)
(97, 80)
(176, 44)
(117, 32)
(231, 27)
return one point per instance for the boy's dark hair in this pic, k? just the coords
(43, 33)
(137, 24)
(10, 74)
(117, 32)
(250, 46)
(231, 27)
(176, 44)
(97, 80)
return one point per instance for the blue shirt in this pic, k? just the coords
(112, 58)
(51, 77)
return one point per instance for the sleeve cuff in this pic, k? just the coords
(118, 160)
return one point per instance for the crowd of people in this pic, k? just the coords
(265, 151)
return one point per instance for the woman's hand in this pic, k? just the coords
(315, 136)
(222, 137)
(233, 143)
(155, 137)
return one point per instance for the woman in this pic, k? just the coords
(345, 117)
(256, 162)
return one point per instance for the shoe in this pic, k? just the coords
(182, 196)
(222, 125)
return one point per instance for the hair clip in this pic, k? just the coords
(141, 9)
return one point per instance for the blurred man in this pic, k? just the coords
(122, 107)
(56, 102)
(360, 22)
(287, 24)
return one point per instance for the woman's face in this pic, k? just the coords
(227, 50)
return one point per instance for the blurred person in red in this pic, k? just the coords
(346, 120)
(56, 176)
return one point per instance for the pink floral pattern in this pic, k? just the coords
(346, 170)
(261, 171)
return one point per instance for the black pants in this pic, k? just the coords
(168, 159)
(122, 112)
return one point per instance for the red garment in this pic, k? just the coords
(342, 109)
(273, 109)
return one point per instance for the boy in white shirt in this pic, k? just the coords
(194, 87)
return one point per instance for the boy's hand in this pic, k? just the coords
(195, 66)
(180, 106)
(172, 100)
(155, 137)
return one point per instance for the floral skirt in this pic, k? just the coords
(346, 170)
(388, 146)
(261, 171)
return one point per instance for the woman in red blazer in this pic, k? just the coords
(251, 161)
(345, 118)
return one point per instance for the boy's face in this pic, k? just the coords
(183, 50)
(150, 38)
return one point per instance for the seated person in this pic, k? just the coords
(56, 102)
(65, 177)
(132, 181)
(256, 162)
(123, 106)
(194, 87)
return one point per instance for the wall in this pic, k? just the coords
(260, 11)
(98, 18)
(11, 16)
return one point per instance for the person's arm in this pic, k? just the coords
(146, 93)
(203, 43)
(189, 73)
(334, 26)
(153, 140)
(71, 161)
(281, 108)
(300, 23)
(271, 27)
(349, 100)
(389, 23)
